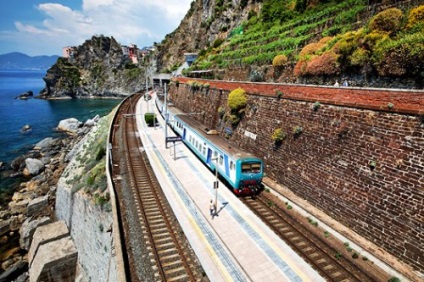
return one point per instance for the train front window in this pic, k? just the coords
(251, 168)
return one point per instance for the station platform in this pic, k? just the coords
(233, 246)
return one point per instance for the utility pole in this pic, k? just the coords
(166, 118)
(216, 183)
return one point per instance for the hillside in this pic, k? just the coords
(97, 68)
(20, 61)
(361, 41)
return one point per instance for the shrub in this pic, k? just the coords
(279, 60)
(399, 58)
(237, 99)
(346, 43)
(297, 130)
(100, 153)
(360, 57)
(150, 119)
(316, 106)
(300, 68)
(416, 16)
(217, 42)
(234, 119)
(314, 48)
(326, 64)
(388, 20)
(278, 135)
(279, 94)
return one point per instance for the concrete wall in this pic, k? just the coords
(328, 164)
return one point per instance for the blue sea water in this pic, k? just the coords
(43, 116)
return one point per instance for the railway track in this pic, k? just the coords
(318, 253)
(155, 245)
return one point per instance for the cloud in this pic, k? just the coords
(93, 4)
(29, 29)
(129, 21)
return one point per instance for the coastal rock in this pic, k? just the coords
(92, 122)
(25, 95)
(37, 206)
(19, 207)
(12, 273)
(26, 128)
(4, 227)
(70, 125)
(89, 123)
(33, 166)
(44, 144)
(28, 228)
(19, 162)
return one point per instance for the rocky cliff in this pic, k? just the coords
(97, 68)
(206, 22)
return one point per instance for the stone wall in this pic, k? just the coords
(89, 223)
(359, 157)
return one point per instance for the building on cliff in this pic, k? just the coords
(68, 52)
(132, 52)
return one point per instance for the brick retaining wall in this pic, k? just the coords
(328, 164)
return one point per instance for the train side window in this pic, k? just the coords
(221, 160)
(232, 166)
(215, 154)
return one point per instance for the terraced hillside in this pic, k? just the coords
(239, 41)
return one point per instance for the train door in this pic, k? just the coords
(227, 168)
(209, 157)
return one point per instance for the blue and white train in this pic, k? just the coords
(241, 170)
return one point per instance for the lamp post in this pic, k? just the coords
(165, 109)
(216, 183)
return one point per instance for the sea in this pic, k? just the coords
(42, 116)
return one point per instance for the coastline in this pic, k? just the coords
(34, 199)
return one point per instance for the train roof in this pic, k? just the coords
(212, 136)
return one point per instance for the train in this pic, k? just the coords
(242, 171)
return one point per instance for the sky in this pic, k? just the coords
(35, 27)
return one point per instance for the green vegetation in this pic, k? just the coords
(278, 135)
(132, 71)
(316, 106)
(313, 222)
(297, 130)
(281, 29)
(388, 46)
(150, 119)
(237, 101)
(321, 38)
(91, 161)
(71, 77)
